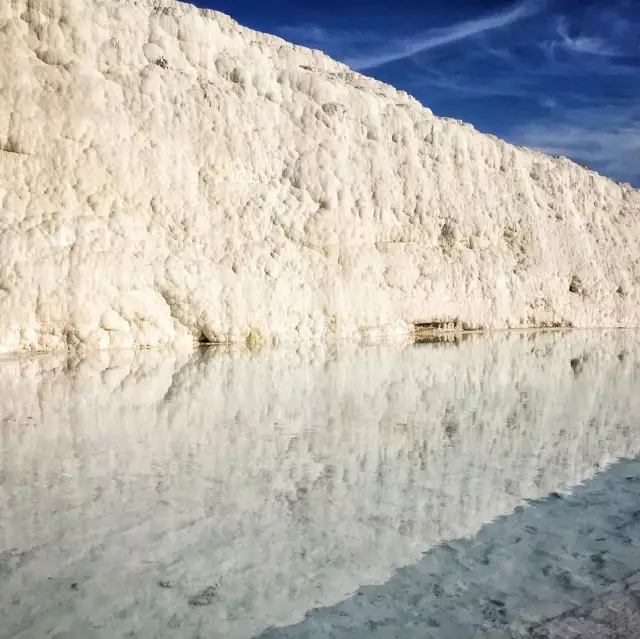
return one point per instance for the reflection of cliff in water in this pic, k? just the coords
(283, 479)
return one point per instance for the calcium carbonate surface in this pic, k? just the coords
(167, 175)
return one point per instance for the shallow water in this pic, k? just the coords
(231, 494)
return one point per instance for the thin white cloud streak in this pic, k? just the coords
(464, 86)
(335, 40)
(583, 44)
(548, 103)
(304, 33)
(435, 38)
(606, 139)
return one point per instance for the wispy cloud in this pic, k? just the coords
(305, 33)
(380, 50)
(548, 103)
(606, 139)
(462, 85)
(435, 38)
(583, 44)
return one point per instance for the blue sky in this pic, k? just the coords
(560, 75)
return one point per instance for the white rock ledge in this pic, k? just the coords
(167, 175)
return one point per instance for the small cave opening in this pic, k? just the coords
(203, 340)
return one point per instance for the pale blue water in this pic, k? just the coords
(318, 492)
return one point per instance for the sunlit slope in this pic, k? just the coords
(168, 175)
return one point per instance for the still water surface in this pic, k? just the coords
(229, 493)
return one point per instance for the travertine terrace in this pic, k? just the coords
(167, 175)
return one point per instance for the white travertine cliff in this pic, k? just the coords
(167, 175)
(284, 480)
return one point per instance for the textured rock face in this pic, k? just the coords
(281, 481)
(166, 174)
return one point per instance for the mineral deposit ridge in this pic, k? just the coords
(168, 176)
